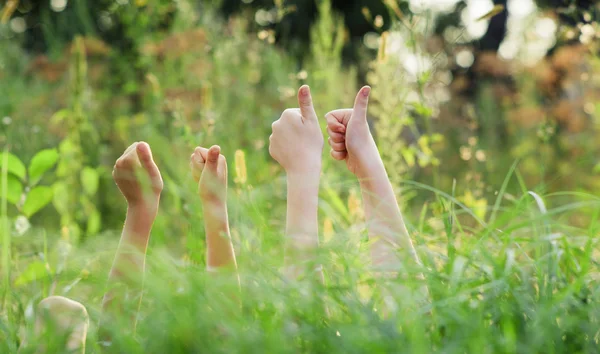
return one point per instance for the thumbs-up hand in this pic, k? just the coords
(297, 140)
(349, 135)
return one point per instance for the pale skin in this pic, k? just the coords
(351, 141)
(209, 169)
(297, 145)
(63, 320)
(139, 180)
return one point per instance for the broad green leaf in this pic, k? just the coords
(94, 222)
(37, 198)
(90, 180)
(40, 163)
(15, 189)
(34, 271)
(15, 166)
(59, 116)
(60, 199)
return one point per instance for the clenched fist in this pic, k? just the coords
(350, 137)
(297, 140)
(209, 169)
(138, 177)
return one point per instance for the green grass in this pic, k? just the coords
(516, 274)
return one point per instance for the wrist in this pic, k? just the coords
(308, 171)
(147, 208)
(370, 172)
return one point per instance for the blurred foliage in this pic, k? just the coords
(451, 112)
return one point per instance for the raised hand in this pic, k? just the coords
(209, 169)
(297, 144)
(138, 177)
(350, 138)
(297, 140)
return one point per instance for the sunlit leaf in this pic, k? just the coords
(37, 198)
(34, 271)
(94, 222)
(15, 166)
(40, 163)
(60, 198)
(15, 189)
(90, 180)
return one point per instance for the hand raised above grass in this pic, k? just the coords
(138, 177)
(209, 169)
(350, 137)
(297, 140)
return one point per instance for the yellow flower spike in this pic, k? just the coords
(153, 80)
(327, 230)
(241, 176)
(381, 54)
(9, 8)
(141, 3)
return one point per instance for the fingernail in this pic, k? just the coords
(304, 90)
(366, 91)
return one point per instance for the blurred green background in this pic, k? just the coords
(474, 104)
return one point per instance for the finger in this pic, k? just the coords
(341, 115)
(335, 125)
(338, 155)
(336, 137)
(337, 146)
(306, 104)
(129, 149)
(125, 161)
(202, 153)
(361, 103)
(144, 154)
(212, 158)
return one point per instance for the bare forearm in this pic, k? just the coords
(302, 227)
(131, 253)
(220, 251)
(126, 276)
(384, 219)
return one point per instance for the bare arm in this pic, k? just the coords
(302, 230)
(209, 169)
(351, 141)
(297, 144)
(140, 182)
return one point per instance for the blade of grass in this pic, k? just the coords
(5, 230)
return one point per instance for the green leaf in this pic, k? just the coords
(40, 163)
(94, 222)
(15, 190)
(15, 166)
(90, 180)
(60, 199)
(34, 271)
(59, 116)
(37, 198)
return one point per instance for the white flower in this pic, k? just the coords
(22, 225)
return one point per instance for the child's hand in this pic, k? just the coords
(350, 137)
(209, 169)
(297, 140)
(132, 170)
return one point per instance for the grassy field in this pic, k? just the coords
(509, 239)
